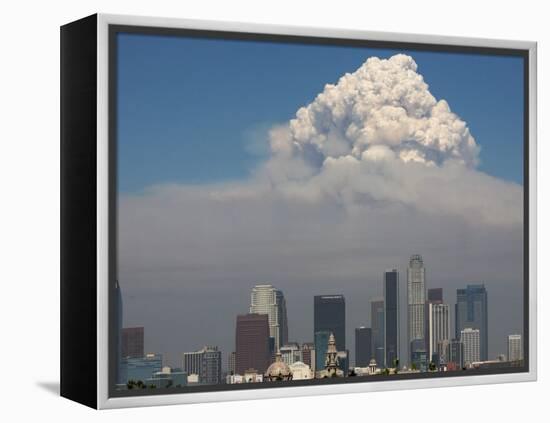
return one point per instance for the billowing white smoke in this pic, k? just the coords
(384, 108)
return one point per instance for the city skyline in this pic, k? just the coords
(329, 318)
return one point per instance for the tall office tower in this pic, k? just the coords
(363, 346)
(330, 315)
(283, 319)
(231, 363)
(377, 325)
(515, 350)
(252, 343)
(439, 327)
(455, 354)
(321, 344)
(291, 353)
(471, 340)
(391, 317)
(132, 342)
(265, 299)
(307, 349)
(471, 312)
(435, 295)
(211, 368)
(416, 301)
(206, 363)
(120, 370)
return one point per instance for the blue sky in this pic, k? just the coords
(192, 110)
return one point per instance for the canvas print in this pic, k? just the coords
(294, 212)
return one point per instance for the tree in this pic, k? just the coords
(432, 367)
(413, 366)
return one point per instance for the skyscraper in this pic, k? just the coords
(416, 301)
(515, 348)
(265, 299)
(132, 342)
(391, 317)
(211, 371)
(377, 326)
(321, 344)
(435, 296)
(206, 363)
(455, 354)
(120, 368)
(471, 312)
(252, 343)
(330, 315)
(438, 327)
(363, 346)
(308, 354)
(471, 340)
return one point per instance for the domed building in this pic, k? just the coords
(300, 371)
(278, 370)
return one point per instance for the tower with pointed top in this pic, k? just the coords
(331, 358)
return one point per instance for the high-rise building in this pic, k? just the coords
(330, 315)
(435, 296)
(252, 343)
(321, 344)
(391, 317)
(308, 354)
(363, 346)
(471, 340)
(471, 312)
(132, 342)
(455, 354)
(206, 363)
(377, 326)
(231, 363)
(291, 353)
(120, 370)
(416, 301)
(265, 299)
(438, 327)
(211, 372)
(515, 348)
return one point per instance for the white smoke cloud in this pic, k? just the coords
(384, 103)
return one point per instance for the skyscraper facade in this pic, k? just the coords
(132, 342)
(363, 346)
(455, 354)
(211, 368)
(265, 299)
(321, 345)
(471, 340)
(471, 312)
(515, 348)
(329, 314)
(377, 326)
(439, 327)
(205, 363)
(416, 300)
(391, 317)
(252, 343)
(435, 296)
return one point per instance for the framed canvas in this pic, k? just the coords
(254, 211)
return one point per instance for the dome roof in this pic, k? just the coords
(278, 370)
